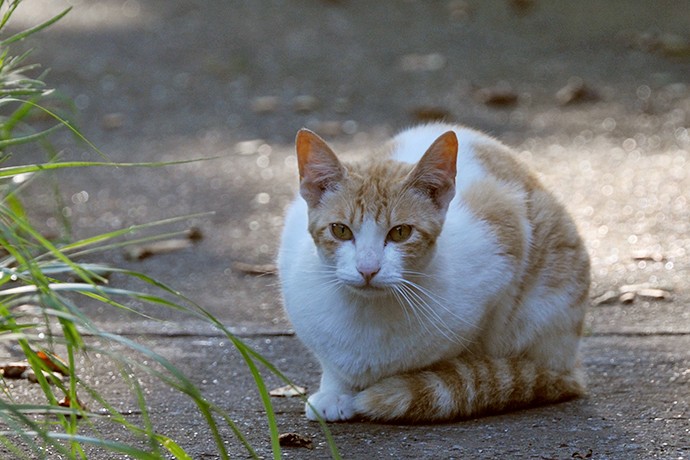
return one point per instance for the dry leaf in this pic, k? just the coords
(430, 113)
(14, 370)
(159, 247)
(66, 402)
(295, 440)
(53, 362)
(522, 6)
(651, 256)
(288, 391)
(656, 294)
(52, 377)
(627, 297)
(500, 95)
(195, 234)
(255, 269)
(606, 298)
(576, 91)
(144, 251)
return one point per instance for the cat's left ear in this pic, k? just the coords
(435, 172)
(319, 168)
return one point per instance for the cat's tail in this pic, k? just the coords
(458, 388)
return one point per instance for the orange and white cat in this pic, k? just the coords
(433, 279)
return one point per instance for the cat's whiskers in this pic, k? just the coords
(425, 313)
(437, 299)
(399, 297)
(327, 287)
(409, 304)
(325, 279)
(416, 274)
(426, 317)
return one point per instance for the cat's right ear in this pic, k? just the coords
(435, 172)
(319, 168)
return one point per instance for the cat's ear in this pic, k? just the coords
(319, 168)
(435, 172)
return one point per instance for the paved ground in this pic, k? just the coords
(169, 80)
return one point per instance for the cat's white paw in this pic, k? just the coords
(331, 407)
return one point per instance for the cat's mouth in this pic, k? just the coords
(366, 290)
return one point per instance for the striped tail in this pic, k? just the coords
(458, 388)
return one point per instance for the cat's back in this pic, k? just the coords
(479, 155)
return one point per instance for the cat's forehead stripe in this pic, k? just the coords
(373, 187)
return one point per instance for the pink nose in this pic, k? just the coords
(367, 275)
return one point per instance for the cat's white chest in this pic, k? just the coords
(364, 341)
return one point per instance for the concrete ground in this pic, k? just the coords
(594, 95)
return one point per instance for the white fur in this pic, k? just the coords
(360, 339)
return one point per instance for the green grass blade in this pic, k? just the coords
(176, 380)
(32, 30)
(113, 446)
(28, 138)
(28, 430)
(11, 171)
(10, 10)
(172, 447)
(266, 400)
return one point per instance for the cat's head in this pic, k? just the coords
(376, 222)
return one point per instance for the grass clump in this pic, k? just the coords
(42, 285)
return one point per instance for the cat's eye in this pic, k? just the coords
(341, 232)
(399, 233)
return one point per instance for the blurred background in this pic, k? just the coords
(592, 94)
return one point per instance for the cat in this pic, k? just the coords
(435, 279)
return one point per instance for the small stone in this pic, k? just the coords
(265, 104)
(341, 105)
(329, 128)
(674, 45)
(668, 44)
(113, 121)
(349, 127)
(422, 62)
(459, 10)
(249, 147)
(305, 103)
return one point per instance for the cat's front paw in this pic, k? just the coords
(331, 407)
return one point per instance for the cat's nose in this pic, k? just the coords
(368, 264)
(368, 275)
